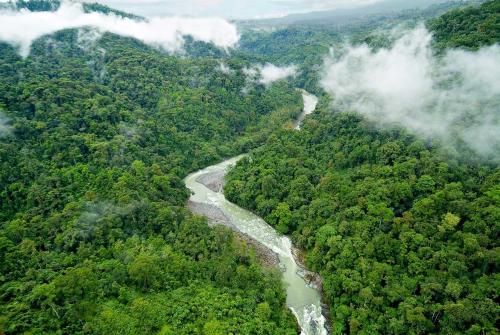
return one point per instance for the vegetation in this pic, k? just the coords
(469, 28)
(404, 234)
(405, 240)
(95, 237)
(53, 5)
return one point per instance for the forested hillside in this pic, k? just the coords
(404, 233)
(98, 131)
(469, 28)
(306, 43)
(52, 5)
(95, 238)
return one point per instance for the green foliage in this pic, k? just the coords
(403, 232)
(95, 237)
(53, 5)
(404, 239)
(468, 28)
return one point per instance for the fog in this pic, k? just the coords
(21, 28)
(269, 73)
(224, 68)
(454, 97)
(5, 128)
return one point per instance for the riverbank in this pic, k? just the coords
(214, 181)
(314, 280)
(273, 249)
(215, 216)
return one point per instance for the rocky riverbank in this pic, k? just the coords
(215, 216)
(314, 280)
(215, 182)
(303, 287)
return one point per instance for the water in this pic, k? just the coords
(310, 103)
(303, 299)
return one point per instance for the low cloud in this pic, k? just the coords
(21, 28)
(5, 128)
(269, 73)
(454, 97)
(224, 68)
(87, 38)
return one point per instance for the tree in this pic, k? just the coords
(282, 217)
(144, 269)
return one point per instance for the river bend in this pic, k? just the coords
(206, 186)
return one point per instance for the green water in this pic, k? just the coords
(302, 299)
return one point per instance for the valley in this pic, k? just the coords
(332, 170)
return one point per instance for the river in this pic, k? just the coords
(310, 103)
(207, 199)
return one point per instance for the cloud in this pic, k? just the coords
(23, 27)
(454, 97)
(87, 38)
(269, 73)
(224, 68)
(242, 9)
(5, 128)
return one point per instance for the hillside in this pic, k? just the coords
(403, 232)
(95, 236)
(390, 188)
(53, 5)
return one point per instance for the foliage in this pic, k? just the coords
(404, 233)
(468, 28)
(95, 237)
(406, 241)
(53, 5)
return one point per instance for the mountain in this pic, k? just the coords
(96, 136)
(402, 228)
(98, 131)
(379, 9)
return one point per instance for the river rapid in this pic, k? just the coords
(207, 199)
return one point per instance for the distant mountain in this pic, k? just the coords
(345, 16)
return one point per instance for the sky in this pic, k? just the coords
(231, 9)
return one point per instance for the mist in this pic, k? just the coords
(22, 28)
(224, 68)
(269, 73)
(454, 97)
(5, 128)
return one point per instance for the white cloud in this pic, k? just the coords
(269, 73)
(454, 97)
(23, 27)
(224, 68)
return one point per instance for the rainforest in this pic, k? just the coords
(326, 172)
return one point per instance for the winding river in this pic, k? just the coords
(206, 185)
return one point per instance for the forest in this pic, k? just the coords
(95, 235)
(403, 232)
